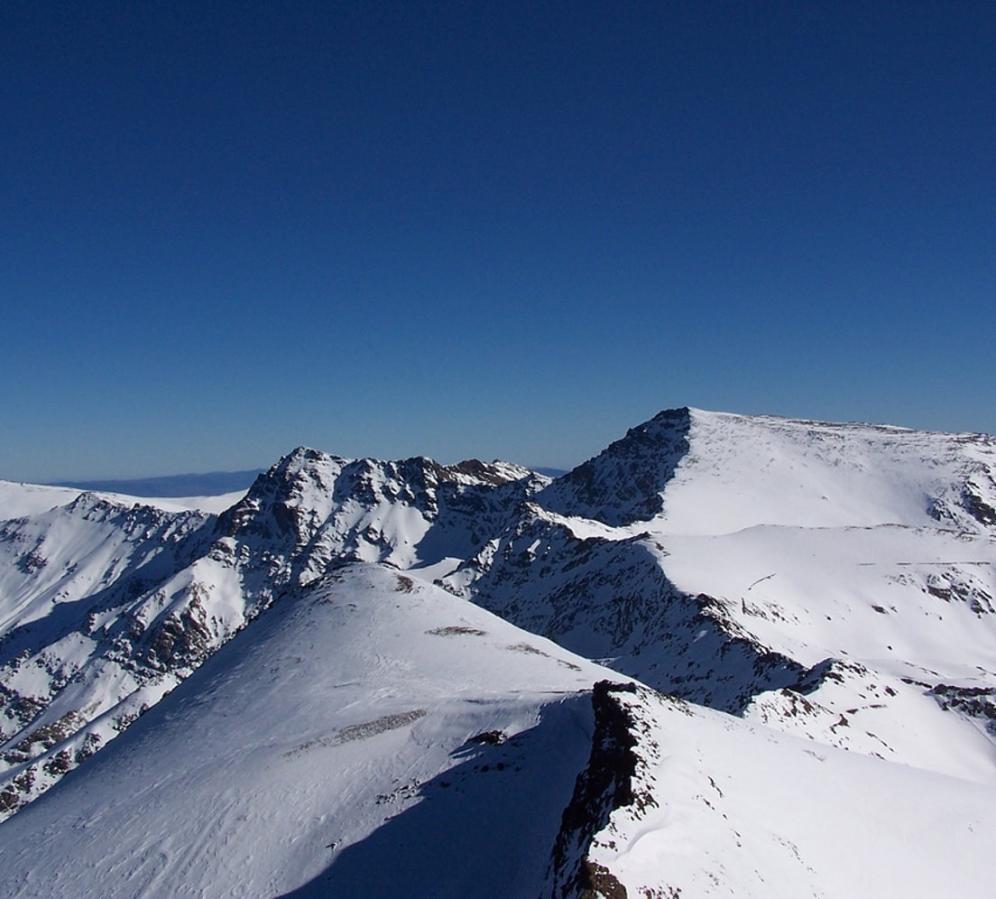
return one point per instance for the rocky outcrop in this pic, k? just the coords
(605, 785)
(624, 483)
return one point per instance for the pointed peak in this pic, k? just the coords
(305, 455)
(88, 501)
(624, 482)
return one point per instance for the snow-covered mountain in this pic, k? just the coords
(834, 581)
(107, 607)
(18, 500)
(780, 591)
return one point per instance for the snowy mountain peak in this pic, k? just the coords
(291, 499)
(624, 483)
(316, 508)
(692, 471)
(742, 471)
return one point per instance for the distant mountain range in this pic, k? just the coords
(728, 655)
(211, 483)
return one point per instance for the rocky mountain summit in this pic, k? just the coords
(782, 590)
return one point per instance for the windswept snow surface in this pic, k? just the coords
(333, 748)
(742, 471)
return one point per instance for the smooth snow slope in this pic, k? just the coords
(724, 808)
(743, 470)
(348, 708)
(19, 500)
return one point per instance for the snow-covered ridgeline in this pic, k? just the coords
(367, 731)
(678, 800)
(832, 582)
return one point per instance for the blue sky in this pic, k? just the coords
(498, 230)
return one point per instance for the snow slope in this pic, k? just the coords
(697, 804)
(329, 749)
(18, 500)
(743, 470)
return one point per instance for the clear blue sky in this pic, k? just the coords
(484, 229)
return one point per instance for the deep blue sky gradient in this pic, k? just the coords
(484, 229)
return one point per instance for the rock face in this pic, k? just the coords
(605, 785)
(831, 582)
(625, 483)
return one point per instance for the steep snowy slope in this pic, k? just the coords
(692, 803)
(367, 732)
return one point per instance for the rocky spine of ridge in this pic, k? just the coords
(608, 783)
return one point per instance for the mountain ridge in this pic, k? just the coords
(832, 583)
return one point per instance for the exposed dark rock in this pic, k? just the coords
(605, 784)
(31, 562)
(624, 483)
(9, 800)
(978, 508)
(976, 702)
(456, 630)
(60, 763)
(48, 735)
(490, 737)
